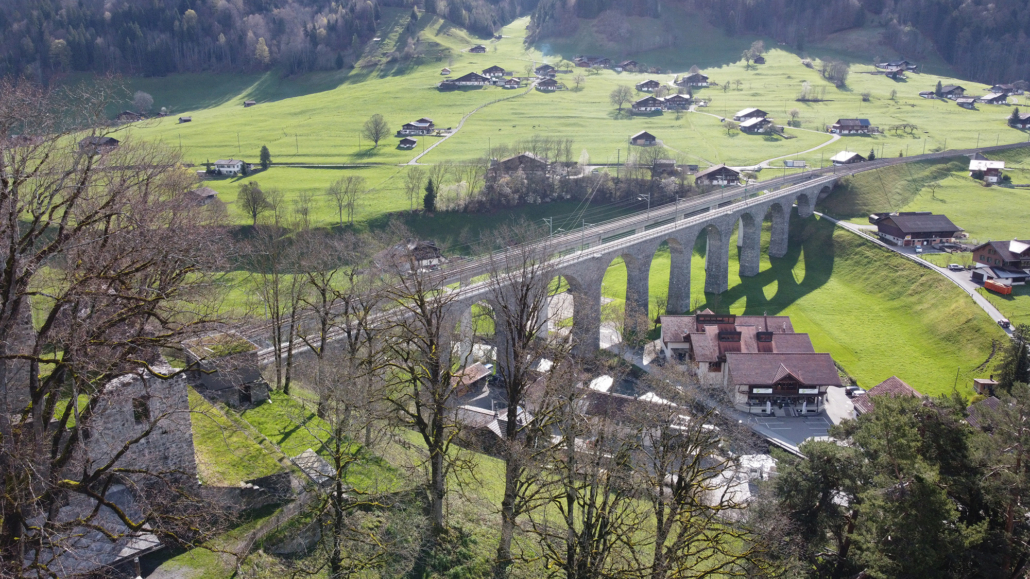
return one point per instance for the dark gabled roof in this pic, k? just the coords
(696, 75)
(853, 122)
(629, 63)
(952, 87)
(545, 67)
(547, 82)
(204, 192)
(408, 140)
(471, 76)
(99, 142)
(766, 368)
(892, 386)
(1013, 250)
(922, 222)
(648, 101)
(979, 414)
(643, 135)
(649, 82)
(470, 374)
(714, 169)
(682, 97)
(493, 68)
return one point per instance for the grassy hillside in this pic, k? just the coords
(877, 314)
(316, 118)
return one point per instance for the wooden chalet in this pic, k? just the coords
(852, 127)
(548, 85)
(643, 139)
(994, 98)
(717, 175)
(676, 102)
(1013, 254)
(478, 49)
(1020, 121)
(696, 79)
(648, 104)
(914, 228)
(756, 125)
(407, 143)
(749, 113)
(952, 91)
(649, 85)
(985, 169)
(248, 104)
(471, 79)
(422, 126)
(493, 71)
(966, 102)
(545, 70)
(525, 162)
(846, 158)
(628, 65)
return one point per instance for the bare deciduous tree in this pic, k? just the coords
(344, 193)
(375, 129)
(621, 96)
(100, 243)
(414, 180)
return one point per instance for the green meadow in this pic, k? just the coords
(316, 119)
(877, 314)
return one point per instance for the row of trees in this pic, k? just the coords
(582, 490)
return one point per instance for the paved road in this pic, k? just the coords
(960, 278)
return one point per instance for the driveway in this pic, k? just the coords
(960, 278)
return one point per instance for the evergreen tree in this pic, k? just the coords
(1015, 362)
(1014, 117)
(872, 154)
(266, 158)
(938, 91)
(429, 201)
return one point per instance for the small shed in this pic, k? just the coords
(966, 102)
(478, 49)
(248, 104)
(407, 143)
(225, 369)
(846, 158)
(185, 120)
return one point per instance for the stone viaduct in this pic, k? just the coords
(584, 270)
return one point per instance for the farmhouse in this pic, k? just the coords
(471, 79)
(852, 127)
(759, 59)
(649, 85)
(629, 65)
(928, 94)
(759, 359)
(756, 125)
(994, 98)
(717, 175)
(952, 91)
(478, 49)
(98, 144)
(423, 255)
(407, 143)
(526, 162)
(204, 195)
(1003, 276)
(592, 61)
(696, 79)
(664, 168)
(548, 85)
(643, 139)
(248, 104)
(512, 83)
(1006, 89)
(846, 158)
(1014, 254)
(897, 65)
(493, 71)
(545, 70)
(914, 228)
(185, 120)
(1020, 121)
(893, 387)
(985, 169)
(676, 102)
(648, 104)
(228, 167)
(422, 126)
(470, 378)
(445, 71)
(966, 102)
(751, 113)
(128, 117)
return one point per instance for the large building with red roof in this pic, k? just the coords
(766, 366)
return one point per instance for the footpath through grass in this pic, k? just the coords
(876, 313)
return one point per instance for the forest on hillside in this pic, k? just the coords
(985, 40)
(40, 38)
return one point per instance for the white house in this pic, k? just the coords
(228, 167)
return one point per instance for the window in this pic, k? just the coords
(141, 409)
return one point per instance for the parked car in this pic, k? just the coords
(955, 267)
(919, 250)
(1005, 323)
(852, 391)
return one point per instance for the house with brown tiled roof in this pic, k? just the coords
(760, 359)
(892, 386)
(980, 414)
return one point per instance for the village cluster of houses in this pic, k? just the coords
(497, 76)
(998, 95)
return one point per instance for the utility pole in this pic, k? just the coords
(238, 149)
(296, 144)
(618, 161)
(550, 226)
(977, 141)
